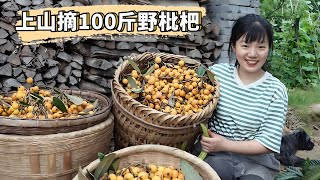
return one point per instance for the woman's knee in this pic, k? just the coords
(222, 167)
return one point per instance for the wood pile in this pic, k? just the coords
(86, 63)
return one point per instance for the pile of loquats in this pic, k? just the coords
(36, 103)
(146, 172)
(170, 88)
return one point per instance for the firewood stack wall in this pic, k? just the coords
(86, 63)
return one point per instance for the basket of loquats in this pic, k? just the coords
(53, 156)
(161, 99)
(37, 111)
(48, 133)
(147, 162)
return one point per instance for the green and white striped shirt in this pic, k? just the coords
(246, 112)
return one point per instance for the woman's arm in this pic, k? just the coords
(217, 143)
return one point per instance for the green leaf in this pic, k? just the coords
(95, 104)
(171, 101)
(184, 146)
(189, 61)
(101, 155)
(287, 176)
(201, 70)
(313, 174)
(132, 82)
(57, 90)
(211, 76)
(23, 103)
(59, 104)
(138, 90)
(150, 70)
(204, 130)
(294, 170)
(134, 65)
(189, 172)
(75, 99)
(314, 162)
(81, 176)
(115, 165)
(5, 103)
(36, 96)
(90, 175)
(104, 165)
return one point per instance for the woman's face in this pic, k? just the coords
(251, 56)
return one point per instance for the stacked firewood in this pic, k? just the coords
(86, 63)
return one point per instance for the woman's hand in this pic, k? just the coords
(217, 143)
(214, 143)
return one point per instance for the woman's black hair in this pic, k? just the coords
(255, 28)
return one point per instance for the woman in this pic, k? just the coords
(247, 126)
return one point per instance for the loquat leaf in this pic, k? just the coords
(134, 65)
(211, 76)
(75, 99)
(81, 175)
(201, 70)
(189, 61)
(104, 165)
(59, 104)
(132, 82)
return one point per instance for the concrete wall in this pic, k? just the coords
(225, 12)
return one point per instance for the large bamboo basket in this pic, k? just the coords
(158, 155)
(154, 116)
(22, 126)
(131, 127)
(131, 130)
(55, 156)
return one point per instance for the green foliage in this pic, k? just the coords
(296, 54)
(299, 98)
(310, 171)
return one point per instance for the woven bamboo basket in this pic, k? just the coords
(131, 127)
(131, 130)
(55, 156)
(154, 116)
(50, 126)
(158, 155)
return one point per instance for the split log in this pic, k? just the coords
(98, 63)
(6, 70)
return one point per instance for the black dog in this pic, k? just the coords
(291, 143)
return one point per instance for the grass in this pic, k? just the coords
(301, 100)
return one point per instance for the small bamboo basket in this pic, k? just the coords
(131, 127)
(55, 156)
(22, 126)
(158, 155)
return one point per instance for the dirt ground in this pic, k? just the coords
(313, 129)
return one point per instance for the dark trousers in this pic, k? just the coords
(223, 167)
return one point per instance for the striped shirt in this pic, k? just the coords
(246, 112)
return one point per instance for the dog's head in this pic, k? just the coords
(303, 140)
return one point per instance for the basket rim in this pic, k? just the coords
(107, 122)
(194, 125)
(156, 148)
(102, 111)
(216, 96)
